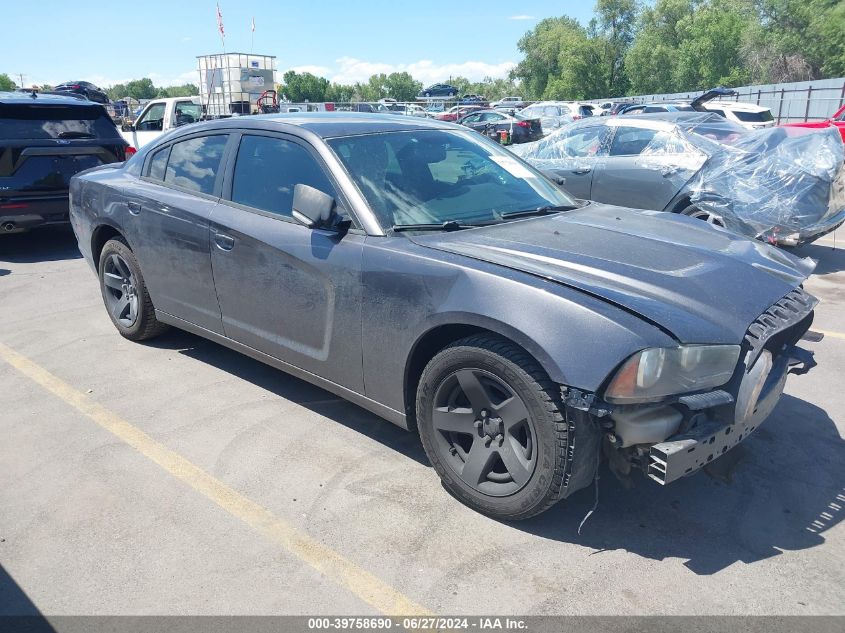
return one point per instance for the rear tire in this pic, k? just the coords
(492, 425)
(125, 294)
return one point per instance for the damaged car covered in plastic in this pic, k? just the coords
(784, 186)
(423, 272)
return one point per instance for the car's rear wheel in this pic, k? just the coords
(704, 215)
(125, 293)
(491, 424)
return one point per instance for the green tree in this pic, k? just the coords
(615, 25)
(402, 87)
(651, 60)
(185, 90)
(141, 89)
(6, 82)
(301, 87)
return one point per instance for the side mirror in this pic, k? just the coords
(311, 206)
(553, 176)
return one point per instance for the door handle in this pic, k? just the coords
(582, 170)
(134, 208)
(224, 242)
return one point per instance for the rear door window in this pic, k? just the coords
(36, 121)
(194, 163)
(633, 141)
(585, 142)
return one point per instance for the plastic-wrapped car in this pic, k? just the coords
(785, 186)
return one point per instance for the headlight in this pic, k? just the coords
(664, 371)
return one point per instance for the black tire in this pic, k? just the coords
(499, 364)
(144, 325)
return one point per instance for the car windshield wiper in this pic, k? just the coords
(448, 225)
(538, 211)
(75, 135)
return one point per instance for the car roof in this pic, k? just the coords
(26, 98)
(325, 124)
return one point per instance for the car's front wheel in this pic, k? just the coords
(125, 293)
(491, 424)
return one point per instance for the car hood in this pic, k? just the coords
(699, 283)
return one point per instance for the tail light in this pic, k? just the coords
(575, 117)
(524, 124)
(130, 152)
(329, 107)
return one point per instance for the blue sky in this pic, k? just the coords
(345, 40)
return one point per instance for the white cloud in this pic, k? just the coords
(104, 81)
(522, 17)
(320, 71)
(349, 70)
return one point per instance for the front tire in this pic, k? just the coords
(693, 211)
(125, 293)
(491, 423)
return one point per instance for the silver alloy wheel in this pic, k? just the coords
(120, 290)
(484, 432)
(706, 216)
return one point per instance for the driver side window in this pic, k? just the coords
(152, 120)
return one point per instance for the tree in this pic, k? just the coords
(304, 87)
(185, 90)
(6, 82)
(615, 24)
(402, 87)
(141, 89)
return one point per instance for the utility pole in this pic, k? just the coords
(20, 76)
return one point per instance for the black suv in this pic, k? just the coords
(85, 89)
(44, 140)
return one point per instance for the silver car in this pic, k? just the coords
(552, 115)
(771, 184)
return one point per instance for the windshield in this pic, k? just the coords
(437, 176)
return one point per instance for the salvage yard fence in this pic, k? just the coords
(789, 102)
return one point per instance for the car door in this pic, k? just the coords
(149, 125)
(645, 168)
(286, 290)
(167, 224)
(576, 155)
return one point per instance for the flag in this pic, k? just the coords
(253, 24)
(220, 23)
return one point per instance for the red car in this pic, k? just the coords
(457, 112)
(837, 120)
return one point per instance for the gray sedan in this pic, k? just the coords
(426, 274)
(776, 185)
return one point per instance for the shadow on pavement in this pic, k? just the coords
(788, 489)
(42, 245)
(17, 611)
(830, 260)
(295, 390)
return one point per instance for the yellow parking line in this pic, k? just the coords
(829, 333)
(323, 559)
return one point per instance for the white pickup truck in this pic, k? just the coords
(160, 116)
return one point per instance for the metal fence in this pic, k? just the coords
(789, 102)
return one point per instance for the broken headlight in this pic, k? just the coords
(658, 372)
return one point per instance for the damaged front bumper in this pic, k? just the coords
(759, 393)
(675, 438)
